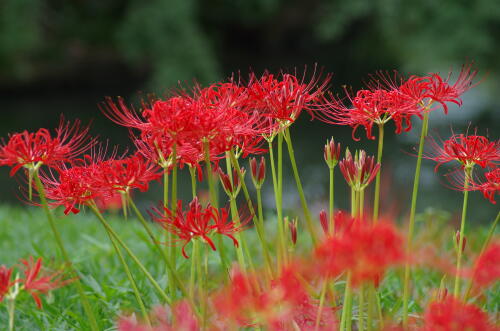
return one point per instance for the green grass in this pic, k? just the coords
(25, 232)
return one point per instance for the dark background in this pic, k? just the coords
(65, 56)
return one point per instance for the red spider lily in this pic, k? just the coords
(181, 317)
(343, 220)
(331, 153)
(487, 267)
(32, 149)
(364, 250)
(360, 170)
(122, 175)
(442, 91)
(5, 281)
(369, 107)
(232, 185)
(198, 222)
(490, 186)
(452, 314)
(282, 98)
(37, 282)
(468, 150)
(292, 226)
(281, 307)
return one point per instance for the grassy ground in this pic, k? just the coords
(25, 232)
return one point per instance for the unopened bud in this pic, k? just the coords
(331, 153)
(293, 230)
(457, 240)
(442, 293)
(233, 187)
(258, 171)
(323, 219)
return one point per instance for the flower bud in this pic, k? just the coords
(258, 171)
(293, 230)
(232, 187)
(457, 240)
(331, 153)
(323, 219)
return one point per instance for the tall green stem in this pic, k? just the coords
(321, 303)
(411, 226)
(361, 309)
(485, 245)
(129, 252)
(468, 174)
(309, 222)
(346, 319)
(173, 208)
(376, 201)
(281, 250)
(11, 309)
(81, 292)
(175, 277)
(332, 195)
(194, 254)
(130, 278)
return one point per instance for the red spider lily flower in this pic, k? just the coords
(198, 223)
(457, 240)
(490, 186)
(282, 98)
(468, 150)
(37, 282)
(364, 250)
(360, 170)
(331, 153)
(281, 307)
(452, 314)
(122, 175)
(292, 226)
(487, 267)
(442, 91)
(369, 107)
(33, 149)
(258, 171)
(180, 317)
(343, 220)
(5, 281)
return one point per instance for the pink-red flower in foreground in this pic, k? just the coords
(452, 314)
(5, 281)
(487, 267)
(364, 249)
(490, 186)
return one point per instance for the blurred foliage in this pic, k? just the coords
(170, 40)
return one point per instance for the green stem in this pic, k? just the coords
(354, 204)
(175, 276)
(376, 201)
(129, 252)
(194, 254)
(280, 252)
(309, 222)
(468, 174)
(361, 203)
(214, 202)
(485, 245)
(130, 278)
(346, 319)
(192, 172)
(361, 308)
(321, 303)
(332, 194)
(11, 308)
(261, 235)
(411, 226)
(370, 307)
(173, 207)
(83, 297)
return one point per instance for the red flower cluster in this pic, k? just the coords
(360, 170)
(394, 97)
(35, 280)
(451, 314)
(32, 149)
(283, 305)
(363, 249)
(181, 318)
(198, 223)
(468, 150)
(487, 267)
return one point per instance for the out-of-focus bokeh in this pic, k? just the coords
(60, 56)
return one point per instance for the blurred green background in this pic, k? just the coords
(65, 56)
